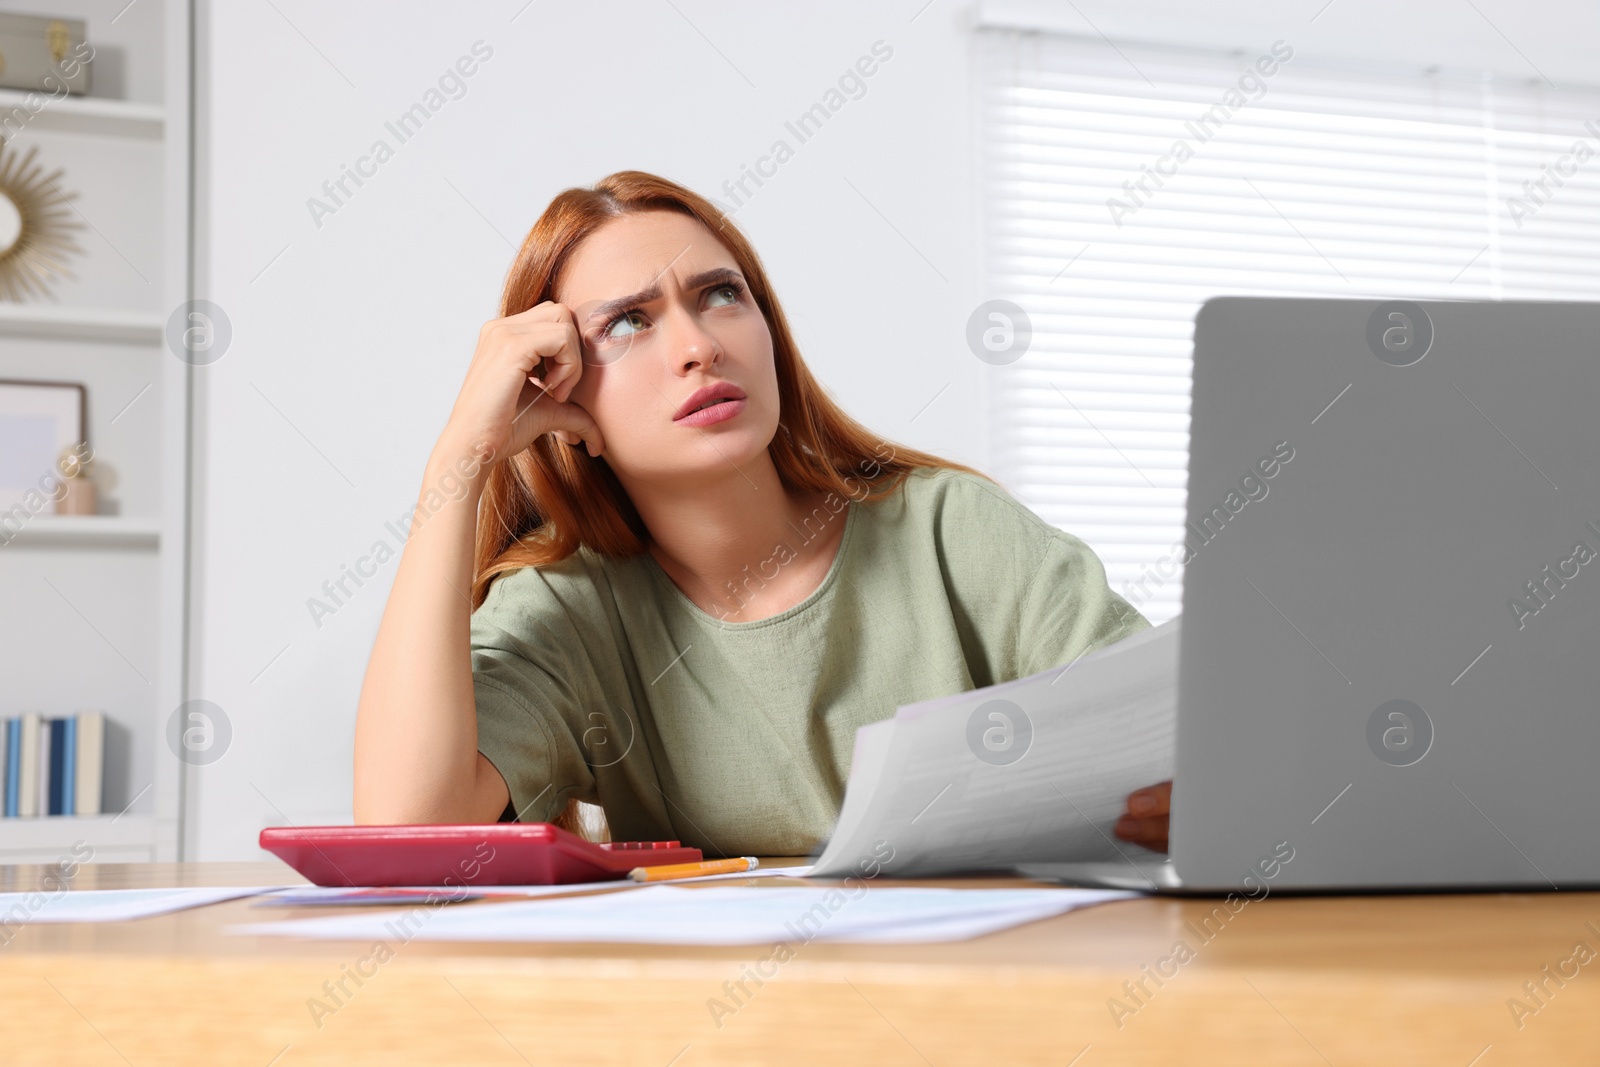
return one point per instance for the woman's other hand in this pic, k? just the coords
(1147, 816)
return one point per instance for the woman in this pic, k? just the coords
(670, 575)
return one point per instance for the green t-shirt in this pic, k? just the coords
(596, 678)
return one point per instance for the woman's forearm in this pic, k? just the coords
(416, 741)
(417, 754)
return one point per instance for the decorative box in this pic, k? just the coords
(44, 54)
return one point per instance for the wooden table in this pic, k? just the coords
(1318, 981)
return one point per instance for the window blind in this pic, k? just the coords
(1122, 187)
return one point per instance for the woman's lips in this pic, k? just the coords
(719, 412)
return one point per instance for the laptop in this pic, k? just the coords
(1389, 674)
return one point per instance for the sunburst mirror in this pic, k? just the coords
(36, 226)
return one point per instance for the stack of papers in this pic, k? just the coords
(1031, 771)
(717, 915)
(319, 895)
(114, 905)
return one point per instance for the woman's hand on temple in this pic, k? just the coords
(416, 753)
(505, 403)
(1146, 819)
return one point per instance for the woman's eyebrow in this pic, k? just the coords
(623, 303)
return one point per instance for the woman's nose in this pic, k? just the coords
(696, 348)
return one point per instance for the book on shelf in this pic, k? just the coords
(13, 764)
(42, 779)
(53, 765)
(91, 750)
(28, 769)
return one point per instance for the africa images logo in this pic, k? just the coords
(999, 732)
(1399, 332)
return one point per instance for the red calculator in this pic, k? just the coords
(461, 855)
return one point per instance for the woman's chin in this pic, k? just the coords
(702, 460)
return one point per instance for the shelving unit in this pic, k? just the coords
(110, 531)
(96, 605)
(110, 838)
(80, 324)
(79, 114)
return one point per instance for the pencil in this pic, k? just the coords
(693, 870)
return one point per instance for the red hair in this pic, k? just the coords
(541, 505)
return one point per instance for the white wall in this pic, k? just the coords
(350, 337)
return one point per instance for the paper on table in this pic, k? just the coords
(921, 799)
(317, 895)
(720, 915)
(114, 905)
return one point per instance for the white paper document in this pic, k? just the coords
(1033, 770)
(113, 905)
(718, 915)
(317, 895)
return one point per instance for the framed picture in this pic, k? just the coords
(38, 422)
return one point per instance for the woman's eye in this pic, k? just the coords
(633, 320)
(729, 292)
